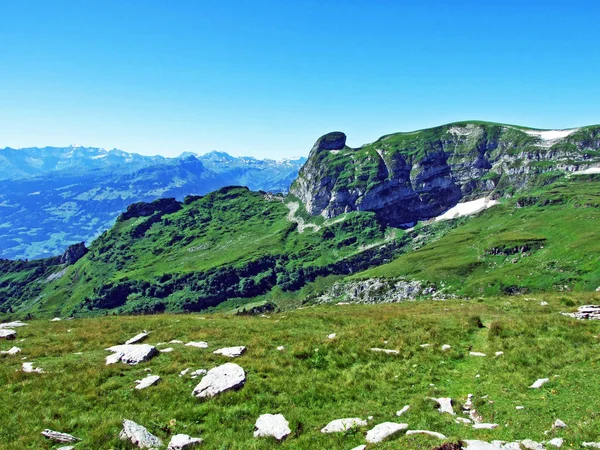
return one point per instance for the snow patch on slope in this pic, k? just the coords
(549, 137)
(467, 208)
(588, 171)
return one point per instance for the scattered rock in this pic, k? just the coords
(498, 354)
(220, 379)
(341, 425)
(16, 324)
(430, 433)
(183, 442)
(463, 420)
(281, 348)
(147, 382)
(56, 319)
(485, 426)
(425, 345)
(543, 303)
(184, 371)
(586, 312)
(139, 435)
(403, 410)
(539, 383)
(131, 354)
(331, 336)
(59, 437)
(12, 351)
(446, 347)
(384, 430)
(199, 344)
(137, 338)
(231, 352)
(166, 350)
(385, 350)
(68, 447)
(28, 368)
(445, 404)
(476, 354)
(175, 341)
(518, 408)
(273, 425)
(360, 447)
(559, 424)
(7, 334)
(591, 444)
(532, 445)
(556, 442)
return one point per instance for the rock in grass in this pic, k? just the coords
(446, 347)
(183, 442)
(476, 354)
(485, 426)
(430, 433)
(7, 334)
(220, 379)
(56, 319)
(331, 336)
(137, 338)
(384, 430)
(556, 442)
(56, 436)
(139, 435)
(273, 425)
(385, 350)
(403, 410)
(532, 445)
(591, 444)
(147, 382)
(539, 383)
(231, 352)
(131, 354)
(11, 325)
(200, 344)
(12, 351)
(444, 404)
(559, 424)
(496, 445)
(360, 447)
(166, 350)
(341, 425)
(28, 368)
(68, 447)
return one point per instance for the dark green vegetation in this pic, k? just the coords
(314, 379)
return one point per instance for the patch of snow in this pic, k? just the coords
(549, 137)
(588, 171)
(467, 208)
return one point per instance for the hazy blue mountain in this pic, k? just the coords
(53, 197)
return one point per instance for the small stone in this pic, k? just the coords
(11, 325)
(543, 303)
(425, 345)
(166, 350)
(360, 447)
(139, 435)
(220, 379)
(341, 425)
(7, 334)
(184, 371)
(12, 351)
(539, 383)
(498, 354)
(200, 344)
(175, 341)
(68, 447)
(445, 404)
(281, 348)
(485, 426)
(231, 352)
(403, 410)
(331, 336)
(446, 347)
(137, 338)
(183, 442)
(463, 420)
(476, 354)
(59, 437)
(273, 425)
(28, 368)
(56, 319)
(131, 354)
(384, 430)
(147, 382)
(556, 442)
(518, 408)
(430, 433)
(385, 350)
(199, 372)
(591, 444)
(532, 445)
(559, 424)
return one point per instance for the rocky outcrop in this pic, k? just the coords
(407, 177)
(73, 254)
(142, 209)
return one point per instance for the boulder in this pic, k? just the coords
(403, 410)
(445, 404)
(273, 425)
(139, 435)
(28, 368)
(147, 382)
(556, 442)
(485, 426)
(199, 344)
(384, 430)
(55, 436)
(539, 383)
(137, 338)
(131, 354)
(341, 425)
(7, 334)
(12, 351)
(220, 379)
(231, 352)
(16, 324)
(183, 442)
(430, 433)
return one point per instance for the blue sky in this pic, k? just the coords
(267, 78)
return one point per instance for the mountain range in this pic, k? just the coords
(53, 197)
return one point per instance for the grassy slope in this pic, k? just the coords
(560, 225)
(314, 380)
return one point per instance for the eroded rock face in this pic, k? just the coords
(131, 354)
(273, 425)
(139, 436)
(73, 254)
(222, 378)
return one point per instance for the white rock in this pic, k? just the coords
(56, 319)
(200, 344)
(463, 420)
(360, 447)
(559, 424)
(198, 373)
(184, 371)
(539, 383)
(176, 341)
(219, 379)
(543, 303)
(476, 354)
(445, 404)
(385, 350)
(498, 354)
(183, 442)
(231, 352)
(556, 442)
(384, 430)
(59, 437)
(16, 324)
(131, 354)
(147, 382)
(137, 338)
(12, 351)
(7, 334)
(273, 425)
(28, 368)
(68, 447)
(518, 408)
(591, 444)
(403, 410)
(281, 348)
(166, 350)
(425, 345)
(341, 425)
(331, 336)
(532, 445)
(485, 426)
(430, 433)
(446, 347)
(139, 435)
(494, 445)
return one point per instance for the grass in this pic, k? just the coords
(315, 379)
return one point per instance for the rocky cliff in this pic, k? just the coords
(406, 177)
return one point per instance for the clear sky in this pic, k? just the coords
(267, 78)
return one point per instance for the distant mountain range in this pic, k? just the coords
(52, 197)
